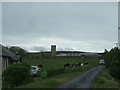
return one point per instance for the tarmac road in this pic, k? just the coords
(83, 80)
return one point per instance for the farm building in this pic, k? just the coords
(7, 57)
(87, 55)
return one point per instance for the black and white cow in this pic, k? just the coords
(66, 65)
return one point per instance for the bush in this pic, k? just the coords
(115, 70)
(112, 62)
(16, 74)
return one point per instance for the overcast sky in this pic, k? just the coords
(78, 26)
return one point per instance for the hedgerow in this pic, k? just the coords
(112, 62)
(17, 74)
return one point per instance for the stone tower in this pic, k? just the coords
(53, 50)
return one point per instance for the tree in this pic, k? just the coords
(18, 51)
(105, 51)
(112, 60)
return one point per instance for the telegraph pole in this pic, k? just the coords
(118, 44)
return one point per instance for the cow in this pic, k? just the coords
(79, 64)
(72, 65)
(76, 65)
(85, 63)
(40, 66)
(66, 65)
(82, 64)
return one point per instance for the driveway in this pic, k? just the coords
(83, 80)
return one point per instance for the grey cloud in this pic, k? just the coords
(39, 48)
(64, 49)
(24, 23)
(42, 48)
(68, 49)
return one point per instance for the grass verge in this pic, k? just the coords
(52, 82)
(105, 80)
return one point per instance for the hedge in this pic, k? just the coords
(112, 62)
(17, 74)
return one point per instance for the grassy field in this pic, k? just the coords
(56, 81)
(105, 80)
(57, 63)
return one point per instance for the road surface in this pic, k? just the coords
(83, 80)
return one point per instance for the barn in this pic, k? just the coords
(86, 54)
(7, 57)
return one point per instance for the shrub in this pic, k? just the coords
(115, 69)
(112, 62)
(16, 74)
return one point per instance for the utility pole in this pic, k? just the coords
(118, 44)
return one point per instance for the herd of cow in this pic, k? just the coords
(74, 65)
(68, 65)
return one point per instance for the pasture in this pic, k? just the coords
(56, 63)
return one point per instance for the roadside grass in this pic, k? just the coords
(58, 80)
(52, 82)
(105, 80)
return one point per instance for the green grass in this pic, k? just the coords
(52, 82)
(105, 80)
(56, 63)
(56, 81)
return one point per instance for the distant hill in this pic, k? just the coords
(48, 53)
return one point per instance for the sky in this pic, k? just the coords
(74, 26)
(0, 22)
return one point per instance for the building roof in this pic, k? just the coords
(77, 54)
(62, 54)
(7, 53)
